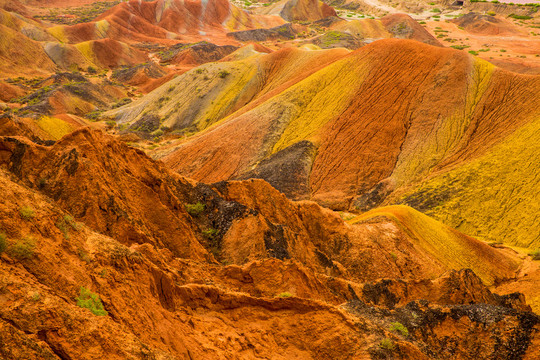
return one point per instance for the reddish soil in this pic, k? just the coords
(158, 259)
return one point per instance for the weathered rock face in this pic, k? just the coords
(288, 170)
(300, 282)
(122, 193)
(285, 31)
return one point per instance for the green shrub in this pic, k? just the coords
(399, 328)
(91, 301)
(386, 344)
(3, 242)
(491, 13)
(158, 133)
(535, 254)
(472, 52)
(66, 223)
(459, 47)
(285, 294)
(195, 209)
(436, 10)
(210, 233)
(223, 74)
(521, 17)
(23, 249)
(27, 213)
(163, 99)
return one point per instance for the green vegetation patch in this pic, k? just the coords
(67, 223)
(535, 254)
(285, 294)
(23, 249)
(91, 301)
(195, 209)
(386, 344)
(210, 233)
(399, 328)
(27, 213)
(83, 14)
(223, 74)
(520, 17)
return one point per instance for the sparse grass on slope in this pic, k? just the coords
(496, 197)
(19, 54)
(209, 93)
(319, 99)
(451, 248)
(429, 143)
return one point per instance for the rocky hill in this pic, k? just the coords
(189, 179)
(230, 269)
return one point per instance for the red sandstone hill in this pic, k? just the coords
(106, 253)
(88, 211)
(166, 22)
(300, 10)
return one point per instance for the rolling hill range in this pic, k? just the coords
(139, 240)
(275, 179)
(165, 21)
(395, 116)
(36, 48)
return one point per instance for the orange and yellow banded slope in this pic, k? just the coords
(381, 119)
(448, 246)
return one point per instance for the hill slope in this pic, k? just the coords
(164, 21)
(88, 212)
(380, 119)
